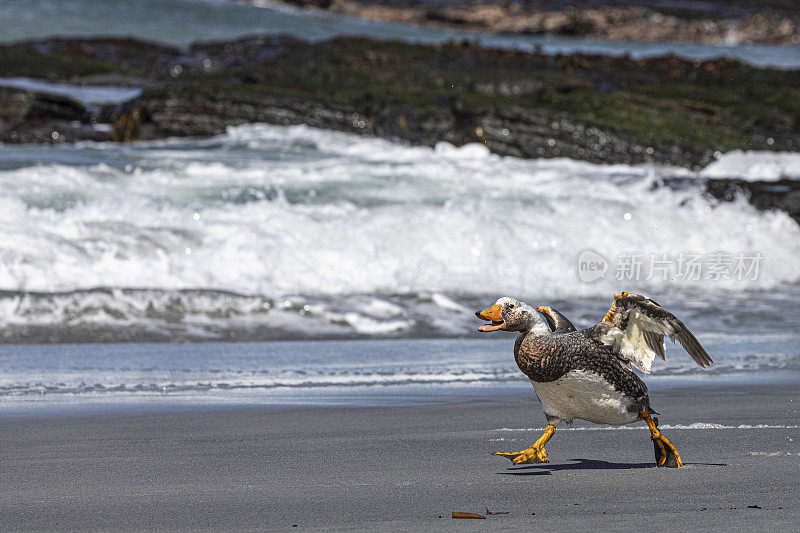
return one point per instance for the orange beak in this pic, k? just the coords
(493, 314)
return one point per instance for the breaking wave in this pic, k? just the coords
(292, 232)
(755, 165)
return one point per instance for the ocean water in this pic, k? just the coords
(64, 378)
(294, 233)
(88, 95)
(180, 22)
(755, 165)
(352, 264)
(272, 232)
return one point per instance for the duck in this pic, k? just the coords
(588, 374)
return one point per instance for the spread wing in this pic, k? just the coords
(635, 326)
(557, 322)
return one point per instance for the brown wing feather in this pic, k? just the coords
(635, 327)
(655, 342)
(691, 345)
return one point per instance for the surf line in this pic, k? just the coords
(693, 426)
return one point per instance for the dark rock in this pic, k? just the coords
(529, 105)
(710, 22)
(782, 195)
(320, 4)
(45, 107)
(593, 108)
(14, 107)
(31, 117)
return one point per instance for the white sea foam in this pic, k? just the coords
(755, 166)
(692, 426)
(350, 214)
(773, 454)
(265, 212)
(199, 381)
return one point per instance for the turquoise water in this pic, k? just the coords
(180, 22)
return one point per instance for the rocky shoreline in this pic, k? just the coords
(780, 195)
(594, 108)
(707, 22)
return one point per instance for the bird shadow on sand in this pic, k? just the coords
(545, 469)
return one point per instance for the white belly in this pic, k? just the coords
(585, 395)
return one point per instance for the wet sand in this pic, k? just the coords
(403, 468)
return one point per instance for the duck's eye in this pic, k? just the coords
(512, 306)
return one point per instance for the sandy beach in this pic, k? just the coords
(403, 468)
(242, 246)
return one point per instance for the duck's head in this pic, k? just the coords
(509, 314)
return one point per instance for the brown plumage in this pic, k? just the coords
(633, 314)
(587, 374)
(548, 358)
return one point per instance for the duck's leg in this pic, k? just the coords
(536, 453)
(666, 453)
